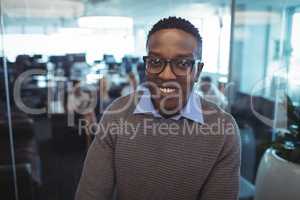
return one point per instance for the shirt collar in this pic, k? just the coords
(192, 109)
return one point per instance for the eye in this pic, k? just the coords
(184, 63)
(155, 61)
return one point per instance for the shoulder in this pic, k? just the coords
(215, 116)
(122, 106)
(211, 109)
(111, 121)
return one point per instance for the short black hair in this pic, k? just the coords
(178, 23)
(206, 79)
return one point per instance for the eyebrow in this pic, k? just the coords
(177, 56)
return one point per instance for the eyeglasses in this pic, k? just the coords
(180, 66)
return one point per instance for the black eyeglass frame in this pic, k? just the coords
(172, 64)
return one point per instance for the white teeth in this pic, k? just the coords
(166, 90)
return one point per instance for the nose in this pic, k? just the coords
(167, 73)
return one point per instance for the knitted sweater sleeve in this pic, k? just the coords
(98, 176)
(223, 181)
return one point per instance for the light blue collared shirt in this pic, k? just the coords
(192, 109)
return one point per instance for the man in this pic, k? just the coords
(165, 142)
(211, 93)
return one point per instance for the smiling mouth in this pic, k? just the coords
(165, 90)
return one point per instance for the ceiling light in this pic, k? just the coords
(105, 22)
(77, 31)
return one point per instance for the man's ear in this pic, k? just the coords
(199, 70)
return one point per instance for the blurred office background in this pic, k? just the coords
(55, 53)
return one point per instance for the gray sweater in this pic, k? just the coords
(141, 157)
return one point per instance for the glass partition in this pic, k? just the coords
(8, 167)
(61, 58)
(63, 53)
(294, 61)
(262, 72)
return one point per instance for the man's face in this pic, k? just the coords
(170, 92)
(205, 86)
